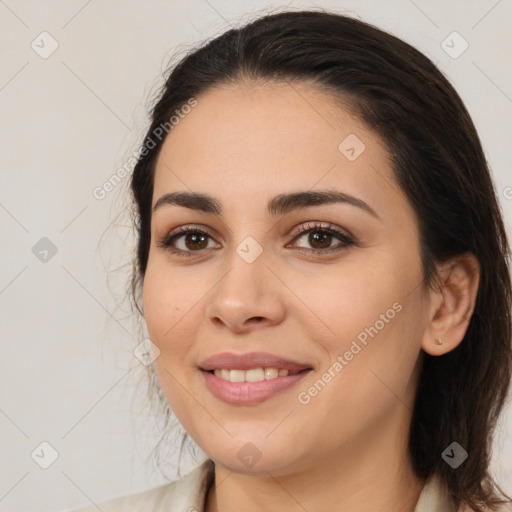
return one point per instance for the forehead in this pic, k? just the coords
(254, 139)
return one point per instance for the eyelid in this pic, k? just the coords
(345, 237)
(311, 225)
(164, 241)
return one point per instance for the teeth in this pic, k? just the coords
(271, 373)
(252, 375)
(237, 375)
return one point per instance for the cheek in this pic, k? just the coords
(369, 360)
(158, 311)
(165, 313)
(168, 298)
(174, 302)
(165, 308)
(339, 305)
(368, 317)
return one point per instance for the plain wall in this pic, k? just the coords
(68, 122)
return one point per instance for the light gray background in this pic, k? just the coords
(68, 122)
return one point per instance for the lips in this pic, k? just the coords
(280, 375)
(250, 360)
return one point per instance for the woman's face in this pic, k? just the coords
(347, 310)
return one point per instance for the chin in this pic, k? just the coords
(253, 457)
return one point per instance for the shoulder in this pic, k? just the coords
(435, 496)
(140, 502)
(502, 508)
(186, 493)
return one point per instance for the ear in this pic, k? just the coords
(452, 303)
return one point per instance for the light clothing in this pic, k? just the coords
(189, 492)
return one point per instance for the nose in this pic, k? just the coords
(248, 296)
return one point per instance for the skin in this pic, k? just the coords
(244, 144)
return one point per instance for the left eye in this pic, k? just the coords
(321, 237)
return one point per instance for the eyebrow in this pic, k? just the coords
(279, 205)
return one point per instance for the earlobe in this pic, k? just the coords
(452, 304)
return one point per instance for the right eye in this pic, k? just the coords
(191, 240)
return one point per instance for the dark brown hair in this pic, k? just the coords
(439, 164)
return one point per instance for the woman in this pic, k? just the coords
(323, 269)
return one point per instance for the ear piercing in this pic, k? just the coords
(438, 341)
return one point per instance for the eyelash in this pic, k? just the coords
(346, 241)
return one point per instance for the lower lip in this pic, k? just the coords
(249, 393)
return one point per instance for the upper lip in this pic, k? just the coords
(231, 361)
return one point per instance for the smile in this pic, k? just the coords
(250, 378)
(253, 374)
